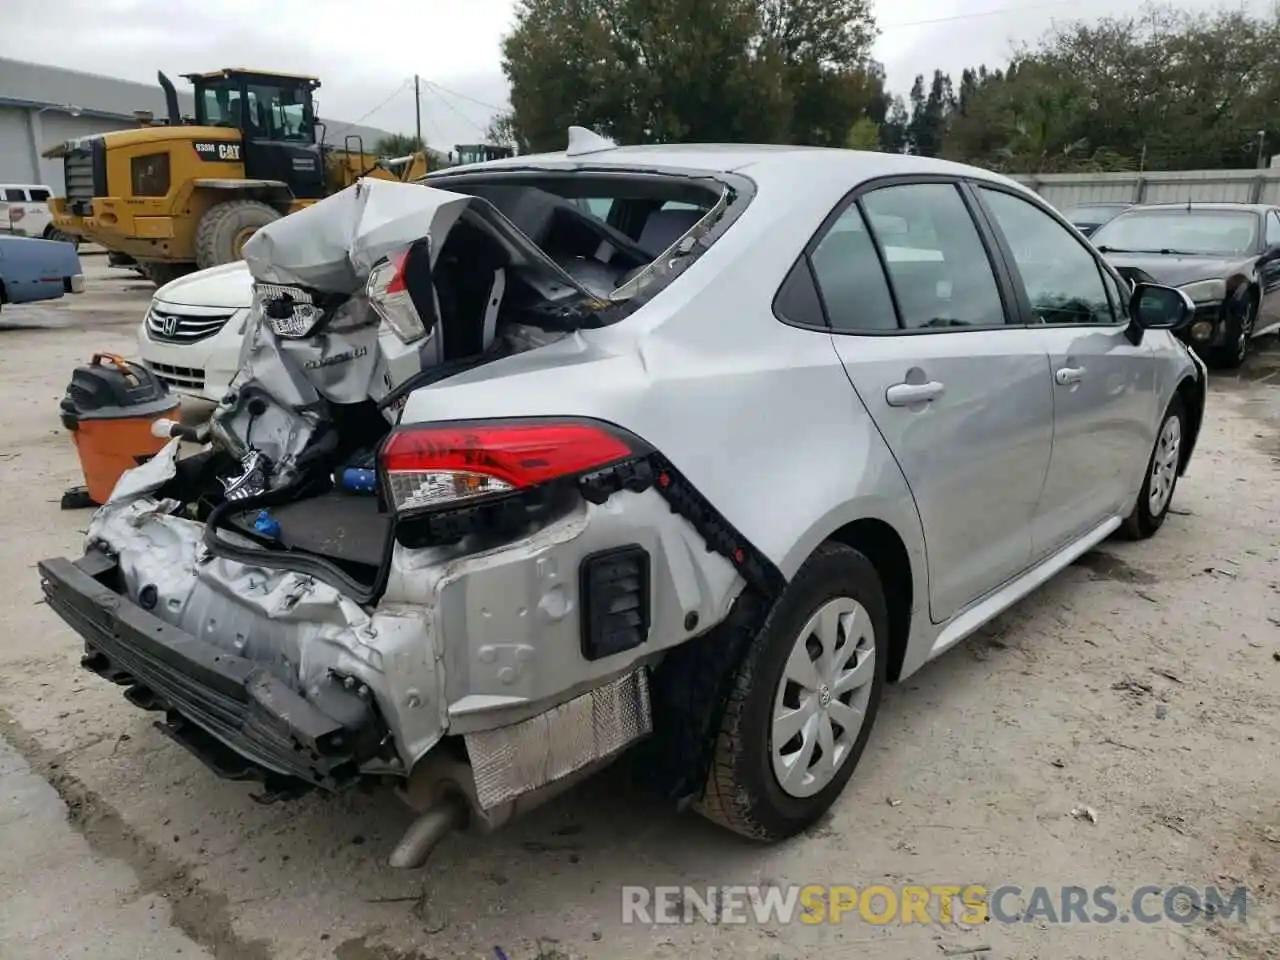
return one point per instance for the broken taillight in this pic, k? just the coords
(438, 465)
(389, 295)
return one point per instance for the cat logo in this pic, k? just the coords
(219, 152)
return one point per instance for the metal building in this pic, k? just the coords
(41, 106)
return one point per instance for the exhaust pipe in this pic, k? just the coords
(448, 814)
(170, 99)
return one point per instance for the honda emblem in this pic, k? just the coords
(169, 325)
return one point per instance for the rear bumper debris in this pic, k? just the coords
(235, 716)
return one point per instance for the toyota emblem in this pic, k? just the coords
(169, 325)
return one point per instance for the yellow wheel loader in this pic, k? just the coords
(186, 193)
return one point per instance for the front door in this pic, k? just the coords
(960, 396)
(1103, 392)
(279, 142)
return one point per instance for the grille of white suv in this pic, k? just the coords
(186, 324)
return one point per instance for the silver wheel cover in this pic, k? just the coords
(821, 701)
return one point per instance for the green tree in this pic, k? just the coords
(864, 135)
(398, 145)
(1164, 88)
(643, 71)
(403, 144)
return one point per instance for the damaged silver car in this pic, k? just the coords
(540, 459)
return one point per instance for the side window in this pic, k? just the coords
(15, 196)
(850, 278)
(1273, 228)
(1062, 277)
(935, 257)
(596, 206)
(1120, 291)
(39, 196)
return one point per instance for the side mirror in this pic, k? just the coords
(1272, 252)
(1153, 306)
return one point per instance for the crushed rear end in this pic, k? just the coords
(314, 594)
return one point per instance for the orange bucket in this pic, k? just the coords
(109, 407)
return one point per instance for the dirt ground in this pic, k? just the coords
(1143, 683)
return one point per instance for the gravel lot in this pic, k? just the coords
(1143, 683)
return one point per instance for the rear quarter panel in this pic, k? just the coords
(32, 269)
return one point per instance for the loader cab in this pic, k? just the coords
(481, 152)
(275, 114)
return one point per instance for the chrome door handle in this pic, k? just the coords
(906, 394)
(1065, 376)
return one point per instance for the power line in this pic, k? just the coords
(394, 93)
(982, 13)
(463, 96)
(435, 88)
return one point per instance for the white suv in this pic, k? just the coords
(191, 335)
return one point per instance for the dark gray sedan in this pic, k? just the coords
(1225, 256)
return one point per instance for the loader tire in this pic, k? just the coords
(160, 272)
(223, 230)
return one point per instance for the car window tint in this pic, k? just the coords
(597, 206)
(39, 196)
(797, 299)
(850, 278)
(1061, 275)
(936, 260)
(15, 196)
(1273, 228)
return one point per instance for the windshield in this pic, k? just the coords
(275, 111)
(1218, 233)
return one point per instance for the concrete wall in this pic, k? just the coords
(1242, 186)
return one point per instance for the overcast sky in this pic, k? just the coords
(367, 53)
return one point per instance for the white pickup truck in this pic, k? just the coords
(24, 211)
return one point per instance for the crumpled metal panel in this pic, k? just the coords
(513, 760)
(332, 245)
(297, 627)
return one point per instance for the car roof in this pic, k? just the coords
(1220, 205)
(763, 163)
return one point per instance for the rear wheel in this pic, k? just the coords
(803, 702)
(1162, 477)
(224, 230)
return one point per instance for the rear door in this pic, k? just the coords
(1104, 386)
(921, 321)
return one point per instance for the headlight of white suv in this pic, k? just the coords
(1205, 291)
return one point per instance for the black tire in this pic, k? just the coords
(1142, 522)
(160, 272)
(742, 791)
(222, 230)
(1242, 315)
(53, 233)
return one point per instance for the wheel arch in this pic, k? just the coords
(1192, 391)
(880, 543)
(275, 193)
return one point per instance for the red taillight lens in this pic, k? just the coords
(436, 465)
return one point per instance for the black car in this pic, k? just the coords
(1088, 217)
(1225, 256)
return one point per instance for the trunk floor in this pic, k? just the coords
(341, 526)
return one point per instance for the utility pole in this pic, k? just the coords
(417, 109)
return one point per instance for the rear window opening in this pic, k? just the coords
(538, 255)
